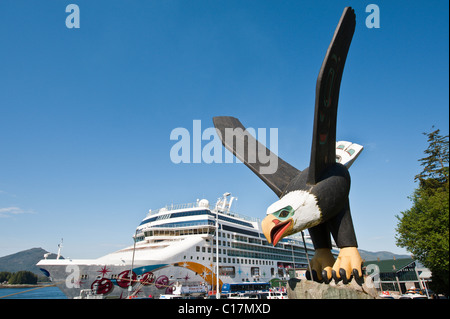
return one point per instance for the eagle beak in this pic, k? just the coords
(274, 229)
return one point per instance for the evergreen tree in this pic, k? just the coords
(4, 276)
(424, 229)
(23, 277)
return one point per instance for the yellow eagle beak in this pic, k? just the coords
(274, 229)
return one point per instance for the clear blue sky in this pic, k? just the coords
(86, 114)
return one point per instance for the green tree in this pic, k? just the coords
(23, 277)
(4, 276)
(424, 229)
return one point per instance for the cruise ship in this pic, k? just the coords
(182, 248)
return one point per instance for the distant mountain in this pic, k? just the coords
(24, 260)
(382, 255)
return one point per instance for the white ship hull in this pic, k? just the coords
(151, 277)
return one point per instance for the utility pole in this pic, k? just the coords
(306, 252)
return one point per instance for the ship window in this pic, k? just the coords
(351, 151)
(340, 147)
(227, 271)
(203, 249)
(197, 248)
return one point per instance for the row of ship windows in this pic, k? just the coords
(195, 213)
(193, 231)
(245, 250)
(261, 257)
(286, 251)
(230, 260)
(210, 231)
(253, 250)
(254, 272)
(178, 232)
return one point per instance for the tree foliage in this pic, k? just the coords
(23, 277)
(435, 171)
(424, 229)
(4, 276)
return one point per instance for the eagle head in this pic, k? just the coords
(294, 212)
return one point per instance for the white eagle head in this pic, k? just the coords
(294, 212)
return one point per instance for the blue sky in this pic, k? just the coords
(86, 114)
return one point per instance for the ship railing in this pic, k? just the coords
(212, 208)
(233, 214)
(185, 224)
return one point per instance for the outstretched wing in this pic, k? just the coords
(323, 149)
(271, 169)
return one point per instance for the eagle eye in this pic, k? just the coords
(285, 212)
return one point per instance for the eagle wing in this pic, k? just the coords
(323, 149)
(247, 149)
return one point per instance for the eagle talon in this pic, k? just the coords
(335, 277)
(348, 265)
(359, 279)
(314, 276)
(344, 278)
(325, 278)
(321, 265)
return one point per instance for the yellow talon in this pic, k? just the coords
(348, 260)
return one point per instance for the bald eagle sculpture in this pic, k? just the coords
(316, 198)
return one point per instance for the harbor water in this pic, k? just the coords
(32, 293)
